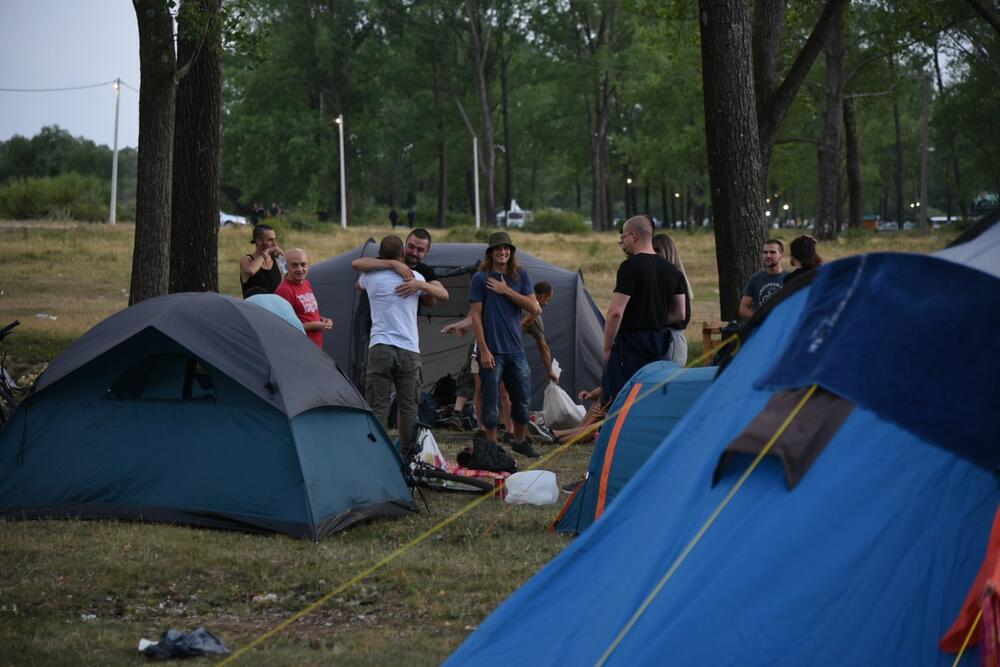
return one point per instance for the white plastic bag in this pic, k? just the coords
(559, 410)
(429, 450)
(532, 487)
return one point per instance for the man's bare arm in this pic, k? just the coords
(366, 264)
(613, 320)
(746, 307)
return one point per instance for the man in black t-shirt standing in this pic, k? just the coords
(648, 298)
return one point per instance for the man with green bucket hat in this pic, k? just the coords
(497, 295)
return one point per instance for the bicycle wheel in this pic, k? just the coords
(441, 479)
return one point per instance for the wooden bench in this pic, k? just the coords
(711, 337)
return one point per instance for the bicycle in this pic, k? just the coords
(420, 473)
(8, 387)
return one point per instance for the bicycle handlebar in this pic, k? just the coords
(7, 329)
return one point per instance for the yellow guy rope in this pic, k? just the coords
(319, 602)
(701, 531)
(961, 651)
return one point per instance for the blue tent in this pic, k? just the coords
(866, 560)
(199, 409)
(646, 419)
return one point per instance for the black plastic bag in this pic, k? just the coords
(177, 644)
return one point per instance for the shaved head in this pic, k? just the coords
(296, 253)
(640, 226)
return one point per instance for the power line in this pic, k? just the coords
(66, 88)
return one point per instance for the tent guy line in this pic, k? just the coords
(968, 637)
(704, 528)
(319, 602)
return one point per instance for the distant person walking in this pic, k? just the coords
(665, 248)
(297, 290)
(393, 217)
(804, 257)
(411, 216)
(259, 271)
(763, 284)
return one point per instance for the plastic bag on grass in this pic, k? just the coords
(532, 487)
(177, 644)
(558, 409)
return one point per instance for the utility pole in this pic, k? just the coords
(114, 159)
(343, 175)
(475, 159)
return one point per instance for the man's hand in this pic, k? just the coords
(459, 328)
(327, 323)
(589, 395)
(498, 286)
(410, 287)
(486, 360)
(275, 252)
(402, 269)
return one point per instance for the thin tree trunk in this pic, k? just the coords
(855, 185)
(442, 149)
(829, 145)
(194, 229)
(663, 202)
(898, 168)
(733, 142)
(480, 45)
(508, 155)
(157, 97)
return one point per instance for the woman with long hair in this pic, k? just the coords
(804, 257)
(665, 248)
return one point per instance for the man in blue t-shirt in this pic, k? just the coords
(497, 295)
(763, 284)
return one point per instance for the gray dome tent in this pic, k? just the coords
(199, 409)
(574, 328)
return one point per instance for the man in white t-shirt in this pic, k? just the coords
(394, 347)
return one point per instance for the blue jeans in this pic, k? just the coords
(513, 370)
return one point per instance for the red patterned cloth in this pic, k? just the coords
(500, 491)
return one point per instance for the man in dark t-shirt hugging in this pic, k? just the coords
(648, 298)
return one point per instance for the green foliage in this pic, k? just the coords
(455, 219)
(65, 197)
(557, 220)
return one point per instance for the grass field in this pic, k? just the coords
(84, 592)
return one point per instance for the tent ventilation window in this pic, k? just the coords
(164, 377)
(804, 439)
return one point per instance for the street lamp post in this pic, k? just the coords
(114, 159)
(343, 174)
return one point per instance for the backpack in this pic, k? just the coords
(444, 390)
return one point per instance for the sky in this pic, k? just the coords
(69, 43)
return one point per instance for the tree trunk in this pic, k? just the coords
(898, 168)
(442, 148)
(508, 158)
(157, 66)
(194, 228)
(663, 202)
(649, 211)
(734, 152)
(829, 144)
(488, 146)
(855, 186)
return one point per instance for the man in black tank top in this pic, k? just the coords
(260, 272)
(648, 299)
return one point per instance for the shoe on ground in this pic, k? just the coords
(524, 449)
(538, 429)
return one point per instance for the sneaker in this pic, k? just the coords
(537, 428)
(455, 423)
(524, 449)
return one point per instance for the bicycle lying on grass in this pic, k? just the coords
(421, 473)
(8, 387)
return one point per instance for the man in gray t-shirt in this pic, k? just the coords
(763, 284)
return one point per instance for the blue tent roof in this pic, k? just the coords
(866, 561)
(665, 394)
